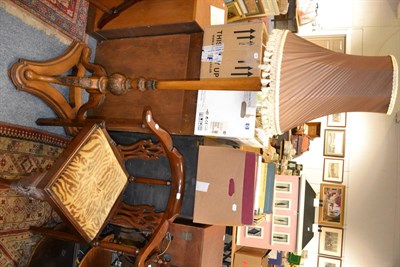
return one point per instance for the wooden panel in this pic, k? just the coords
(153, 17)
(158, 57)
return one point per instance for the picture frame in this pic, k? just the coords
(281, 203)
(333, 170)
(313, 129)
(254, 232)
(337, 120)
(280, 238)
(281, 220)
(329, 262)
(283, 187)
(330, 242)
(251, 7)
(233, 11)
(331, 211)
(334, 143)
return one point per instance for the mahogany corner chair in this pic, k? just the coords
(86, 184)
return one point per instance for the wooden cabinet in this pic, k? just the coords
(155, 17)
(196, 245)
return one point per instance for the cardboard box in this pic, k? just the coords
(233, 50)
(230, 51)
(250, 257)
(225, 186)
(226, 114)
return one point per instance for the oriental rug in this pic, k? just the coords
(66, 16)
(23, 151)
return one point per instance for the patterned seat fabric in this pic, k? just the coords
(90, 184)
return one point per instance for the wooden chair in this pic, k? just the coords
(86, 184)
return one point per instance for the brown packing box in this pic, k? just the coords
(225, 185)
(233, 50)
(250, 257)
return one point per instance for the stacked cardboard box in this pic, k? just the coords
(225, 186)
(247, 257)
(230, 51)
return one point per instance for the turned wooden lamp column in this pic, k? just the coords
(39, 78)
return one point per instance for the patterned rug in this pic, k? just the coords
(23, 151)
(67, 16)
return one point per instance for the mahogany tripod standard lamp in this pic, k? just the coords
(300, 81)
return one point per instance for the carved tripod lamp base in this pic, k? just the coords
(39, 78)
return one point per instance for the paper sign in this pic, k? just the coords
(202, 186)
(217, 16)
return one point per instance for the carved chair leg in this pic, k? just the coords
(26, 186)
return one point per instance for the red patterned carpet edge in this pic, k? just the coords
(23, 150)
(67, 16)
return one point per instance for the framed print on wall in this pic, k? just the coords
(334, 143)
(234, 11)
(331, 213)
(252, 7)
(333, 170)
(330, 242)
(329, 262)
(337, 120)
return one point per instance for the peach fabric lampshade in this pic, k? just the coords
(303, 81)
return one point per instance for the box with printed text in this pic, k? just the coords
(233, 50)
(230, 51)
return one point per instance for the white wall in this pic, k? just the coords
(372, 198)
(372, 207)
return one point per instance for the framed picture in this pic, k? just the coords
(251, 7)
(333, 170)
(329, 262)
(291, 165)
(278, 237)
(254, 232)
(331, 212)
(283, 187)
(334, 143)
(282, 204)
(337, 120)
(281, 220)
(234, 11)
(330, 242)
(314, 129)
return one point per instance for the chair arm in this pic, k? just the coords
(176, 163)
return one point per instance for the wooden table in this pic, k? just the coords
(153, 17)
(159, 57)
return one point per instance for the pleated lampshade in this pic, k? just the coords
(303, 81)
